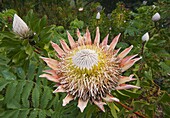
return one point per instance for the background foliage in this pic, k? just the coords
(23, 94)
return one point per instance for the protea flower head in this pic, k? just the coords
(89, 71)
(20, 27)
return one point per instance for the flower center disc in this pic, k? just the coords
(85, 58)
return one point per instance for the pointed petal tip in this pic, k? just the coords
(130, 64)
(41, 75)
(137, 59)
(114, 42)
(116, 99)
(100, 104)
(97, 37)
(119, 35)
(82, 104)
(110, 98)
(43, 58)
(59, 89)
(67, 99)
(15, 15)
(54, 92)
(125, 52)
(126, 86)
(57, 49)
(64, 46)
(50, 77)
(52, 42)
(71, 40)
(64, 104)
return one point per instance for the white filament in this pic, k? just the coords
(85, 58)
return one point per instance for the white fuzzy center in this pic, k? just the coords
(85, 58)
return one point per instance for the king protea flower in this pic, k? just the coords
(20, 27)
(89, 71)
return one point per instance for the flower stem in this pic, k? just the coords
(129, 108)
(143, 46)
(142, 54)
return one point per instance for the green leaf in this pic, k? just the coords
(20, 72)
(33, 114)
(10, 92)
(120, 95)
(13, 104)
(19, 90)
(90, 110)
(46, 96)
(3, 84)
(165, 67)
(3, 60)
(38, 80)
(28, 50)
(164, 98)
(35, 96)
(42, 114)
(166, 109)
(123, 45)
(31, 70)
(131, 94)
(113, 110)
(15, 57)
(1, 98)
(8, 75)
(23, 113)
(9, 114)
(148, 74)
(54, 102)
(43, 22)
(26, 92)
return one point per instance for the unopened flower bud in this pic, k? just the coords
(98, 16)
(156, 17)
(144, 2)
(20, 27)
(145, 37)
(153, 6)
(81, 9)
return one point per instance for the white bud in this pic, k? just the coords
(156, 17)
(153, 6)
(19, 26)
(98, 16)
(145, 37)
(81, 9)
(144, 2)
